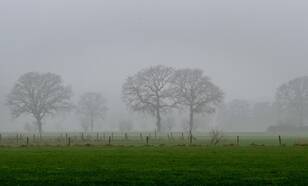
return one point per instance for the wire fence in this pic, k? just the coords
(147, 138)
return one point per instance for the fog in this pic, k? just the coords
(247, 48)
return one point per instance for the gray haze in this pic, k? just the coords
(248, 48)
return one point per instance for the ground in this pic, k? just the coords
(154, 165)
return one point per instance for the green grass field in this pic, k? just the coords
(149, 165)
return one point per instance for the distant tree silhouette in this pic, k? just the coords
(149, 91)
(39, 95)
(195, 92)
(292, 99)
(91, 107)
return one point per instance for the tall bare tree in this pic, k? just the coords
(39, 95)
(149, 91)
(91, 107)
(195, 92)
(292, 99)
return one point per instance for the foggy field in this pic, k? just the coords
(153, 92)
(154, 166)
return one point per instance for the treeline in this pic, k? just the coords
(287, 113)
(244, 115)
(159, 91)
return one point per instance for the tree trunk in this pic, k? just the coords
(158, 120)
(191, 119)
(39, 124)
(158, 117)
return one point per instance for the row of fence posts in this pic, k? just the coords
(238, 140)
(126, 137)
(68, 139)
(110, 138)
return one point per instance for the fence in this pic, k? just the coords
(146, 138)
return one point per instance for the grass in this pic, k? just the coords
(154, 165)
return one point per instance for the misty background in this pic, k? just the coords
(248, 48)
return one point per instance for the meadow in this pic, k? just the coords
(148, 159)
(154, 165)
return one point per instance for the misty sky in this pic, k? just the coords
(247, 47)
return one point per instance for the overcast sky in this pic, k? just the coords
(247, 47)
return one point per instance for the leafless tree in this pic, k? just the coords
(149, 91)
(195, 92)
(39, 95)
(216, 136)
(91, 107)
(292, 99)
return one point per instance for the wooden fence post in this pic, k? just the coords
(279, 138)
(66, 138)
(238, 141)
(147, 140)
(190, 139)
(27, 141)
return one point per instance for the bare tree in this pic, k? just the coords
(39, 95)
(195, 92)
(91, 107)
(149, 91)
(216, 136)
(292, 99)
